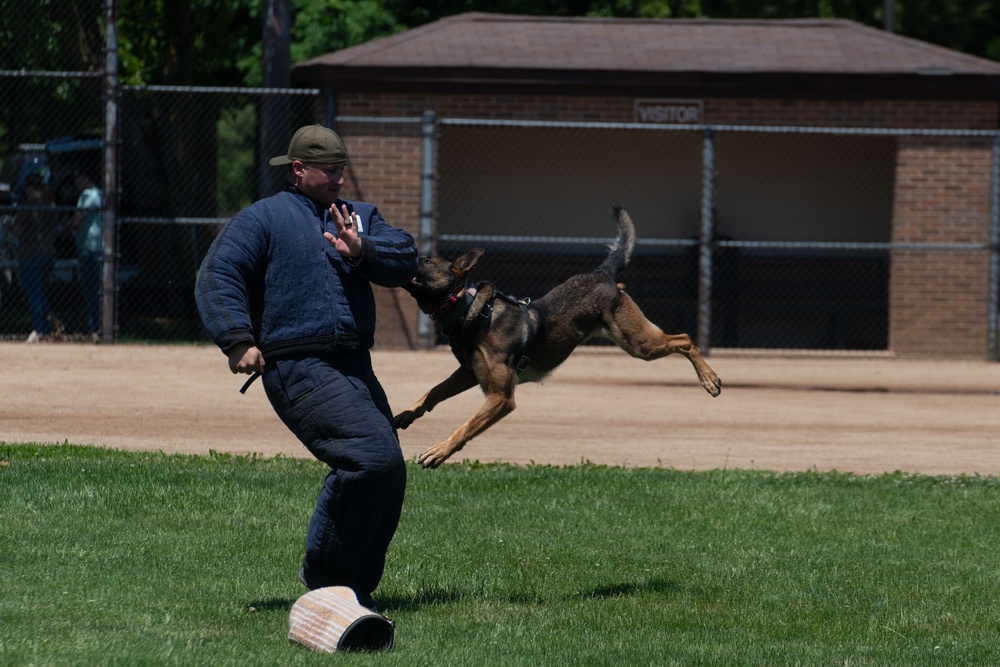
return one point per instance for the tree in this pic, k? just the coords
(972, 26)
(49, 35)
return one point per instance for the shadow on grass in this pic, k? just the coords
(274, 604)
(658, 586)
(438, 596)
(428, 597)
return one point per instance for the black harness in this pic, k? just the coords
(453, 308)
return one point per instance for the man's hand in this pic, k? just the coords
(246, 358)
(346, 241)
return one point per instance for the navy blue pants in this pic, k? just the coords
(337, 408)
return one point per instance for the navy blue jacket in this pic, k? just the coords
(272, 280)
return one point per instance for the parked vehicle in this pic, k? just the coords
(55, 160)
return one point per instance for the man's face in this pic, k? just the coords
(319, 182)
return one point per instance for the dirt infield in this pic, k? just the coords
(863, 415)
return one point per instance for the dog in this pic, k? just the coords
(500, 341)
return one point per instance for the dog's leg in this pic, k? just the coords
(459, 381)
(499, 403)
(642, 339)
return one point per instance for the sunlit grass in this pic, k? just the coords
(115, 558)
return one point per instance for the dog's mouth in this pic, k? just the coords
(415, 284)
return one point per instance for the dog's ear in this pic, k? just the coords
(461, 266)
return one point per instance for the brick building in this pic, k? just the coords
(889, 188)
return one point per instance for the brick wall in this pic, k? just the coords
(939, 300)
(384, 169)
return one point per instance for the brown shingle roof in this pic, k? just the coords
(494, 49)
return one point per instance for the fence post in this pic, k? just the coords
(425, 330)
(109, 252)
(706, 241)
(994, 249)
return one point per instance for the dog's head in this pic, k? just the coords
(436, 277)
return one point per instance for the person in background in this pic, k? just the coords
(89, 244)
(285, 292)
(36, 226)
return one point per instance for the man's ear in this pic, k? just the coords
(463, 265)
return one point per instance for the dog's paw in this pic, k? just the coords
(428, 460)
(712, 384)
(404, 419)
(435, 456)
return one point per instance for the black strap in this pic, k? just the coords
(525, 359)
(526, 335)
(246, 385)
(459, 335)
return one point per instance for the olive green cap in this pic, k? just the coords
(313, 143)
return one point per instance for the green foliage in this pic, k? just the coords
(214, 35)
(328, 25)
(972, 26)
(52, 34)
(117, 558)
(49, 35)
(235, 164)
(219, 42)
(226, 36)
(139, 41)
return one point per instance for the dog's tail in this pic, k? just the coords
(621, 251)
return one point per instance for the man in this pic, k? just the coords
(87, 223)
(285, 291)
(35, 226)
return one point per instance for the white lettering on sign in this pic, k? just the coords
(679, 112)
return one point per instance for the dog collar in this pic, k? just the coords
(458, 301)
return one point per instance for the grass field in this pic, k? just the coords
(116, 558)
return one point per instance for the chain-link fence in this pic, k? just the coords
(748, 237)
(796, 246)
(189, 158)
(51, 126)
